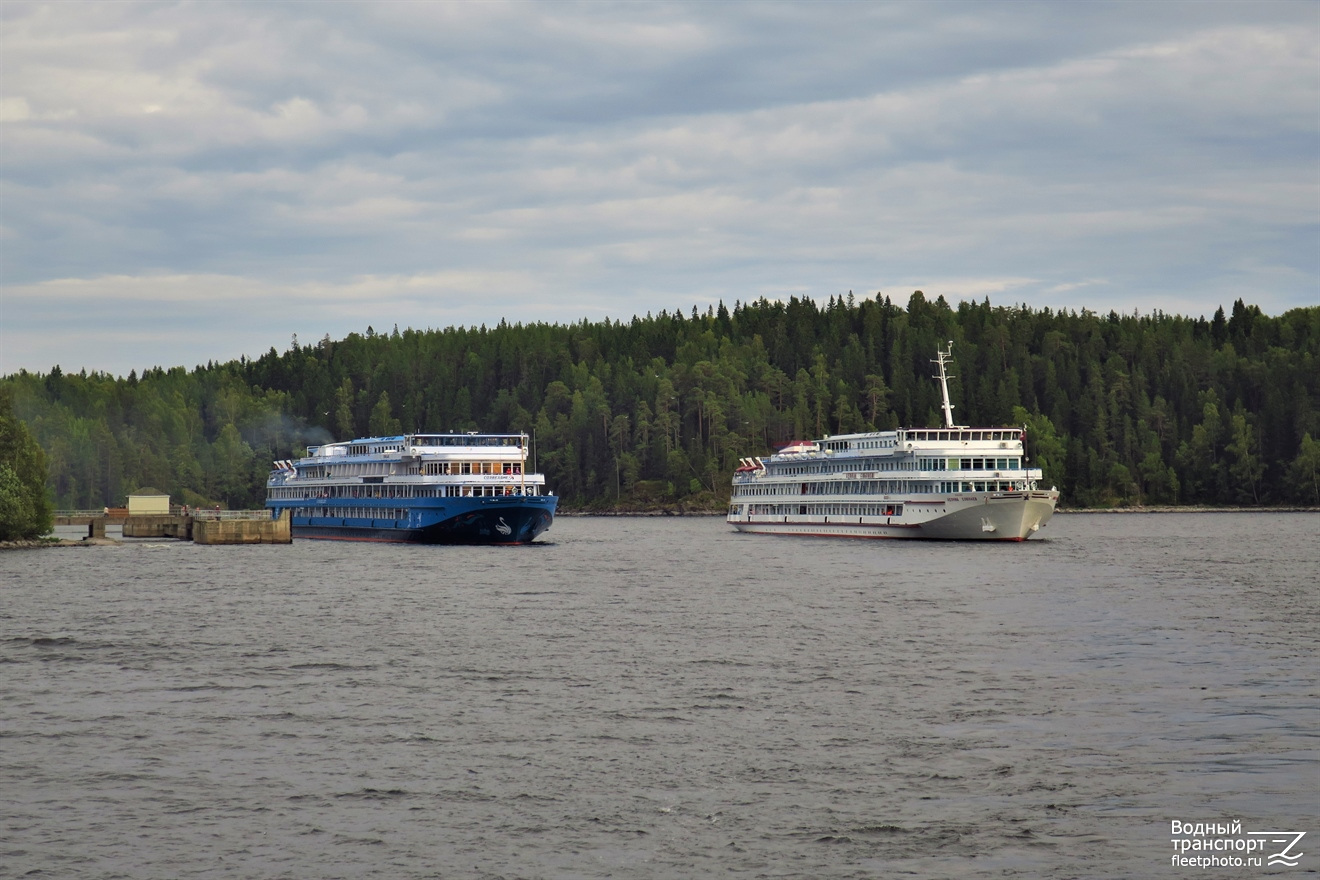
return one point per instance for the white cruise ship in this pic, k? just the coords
(949, 483)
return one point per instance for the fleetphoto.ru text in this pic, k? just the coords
(1226, 845)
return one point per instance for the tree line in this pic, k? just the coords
(25, 510)
(656, 411)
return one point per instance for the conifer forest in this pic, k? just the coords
(655, 413)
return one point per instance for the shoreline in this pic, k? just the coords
(38, 543)
(1061, 510)
(1189, 509)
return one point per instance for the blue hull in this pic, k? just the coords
(493, 520)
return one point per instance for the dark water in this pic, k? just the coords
(642, 698)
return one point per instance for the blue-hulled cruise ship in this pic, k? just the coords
(416, 488)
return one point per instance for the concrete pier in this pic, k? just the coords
(202, 527)
(158, 526)
(243, 531)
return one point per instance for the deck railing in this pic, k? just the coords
(212, 513)
(175, 510)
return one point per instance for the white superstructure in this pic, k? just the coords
(953, 483)
(415, 488)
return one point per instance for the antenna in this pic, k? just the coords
(941, 358)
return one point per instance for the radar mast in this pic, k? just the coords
(941, 358)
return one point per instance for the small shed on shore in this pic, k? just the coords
(148, 502)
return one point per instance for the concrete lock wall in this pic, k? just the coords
(243, 531)
(157, 527)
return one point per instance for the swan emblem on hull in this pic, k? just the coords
(503, 528)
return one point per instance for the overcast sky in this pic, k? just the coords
(190, 182)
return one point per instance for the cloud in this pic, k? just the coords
(471, 162)
(1074, 285)
(118, 323)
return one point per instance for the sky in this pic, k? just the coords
(183, 183)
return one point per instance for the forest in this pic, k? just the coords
(654, 413)
(25, 510)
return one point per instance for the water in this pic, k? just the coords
(657, 698)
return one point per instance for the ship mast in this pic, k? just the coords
(940, 360)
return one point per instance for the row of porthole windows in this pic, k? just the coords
(869, 464)
(430, 468)
(401, 490)
(954, 436)
(352, 512)
(937, 436)
(880, 487)
(985, 486)
(874, 444)
(875, 509)
(969, 464)
(463, 468)
(921, 464)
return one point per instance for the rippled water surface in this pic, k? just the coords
(651, 697)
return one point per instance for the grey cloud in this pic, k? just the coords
(626, 158)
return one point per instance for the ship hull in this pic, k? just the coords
(499, 521)
(1002, 517)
